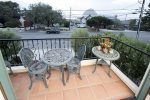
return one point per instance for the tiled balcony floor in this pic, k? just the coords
(97, 86)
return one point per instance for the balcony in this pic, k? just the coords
(97, 86)
(124, 83)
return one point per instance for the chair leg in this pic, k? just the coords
(49, 72)
(31, 82)
(11, 72)
(30, 85)
(79, 74)
(62, 71)
(68, 76)
(44, 80)
(95, 65)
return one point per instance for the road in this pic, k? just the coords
(144, 36)
(42, 35)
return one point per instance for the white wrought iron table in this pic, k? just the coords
(105, 56)
(58, 57)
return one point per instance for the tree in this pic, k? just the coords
(99, 22)
(27, 23)
(132, 24)
(43, 14)
(65, 23)
(145, 25)
(54, 17)
(13, 23)
(9, 14)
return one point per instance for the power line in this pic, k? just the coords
(101, 14)
(100, 10)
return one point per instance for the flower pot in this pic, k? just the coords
(105, 50)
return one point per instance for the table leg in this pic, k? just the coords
(109, 69)
(95, 66)
(48, 71)
(63, 80)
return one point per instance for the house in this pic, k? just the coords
(86, 15)
(22, 21)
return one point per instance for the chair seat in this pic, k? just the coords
(74, 62)
(38, 68)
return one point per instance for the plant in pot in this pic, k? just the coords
(106, 45)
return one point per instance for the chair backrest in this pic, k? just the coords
(26, 56)
(81, 52)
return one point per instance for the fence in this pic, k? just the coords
(133, 62)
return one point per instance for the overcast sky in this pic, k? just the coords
(110, 5)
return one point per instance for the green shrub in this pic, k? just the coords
(131, 41)
(77, 34)
(80, 33)
(131, 62)
(91, 43)
(9, 48)
(8, 35)
(108, 34)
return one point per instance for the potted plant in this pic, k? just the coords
(106, 45)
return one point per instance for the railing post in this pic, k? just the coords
(5, 80)
(145, 85)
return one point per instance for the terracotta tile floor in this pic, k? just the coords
(97, 86)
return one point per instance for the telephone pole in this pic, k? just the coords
(140, 17)
(70, 20)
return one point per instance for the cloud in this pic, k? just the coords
(86, 4)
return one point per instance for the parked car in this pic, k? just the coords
(81, 25)
(53, 30)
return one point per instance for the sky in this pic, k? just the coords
(121, 8)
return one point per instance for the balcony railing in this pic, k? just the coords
(133, 62)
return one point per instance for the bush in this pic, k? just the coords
(89, 41)
(80, 33)
(77, 34)
(9, 48)
(131, 41)
(131, 62)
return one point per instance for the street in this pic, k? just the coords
(42, 35)
(144, 36)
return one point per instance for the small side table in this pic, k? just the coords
(105, 56)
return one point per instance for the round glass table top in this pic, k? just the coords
(107, 56)
(58, 56)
